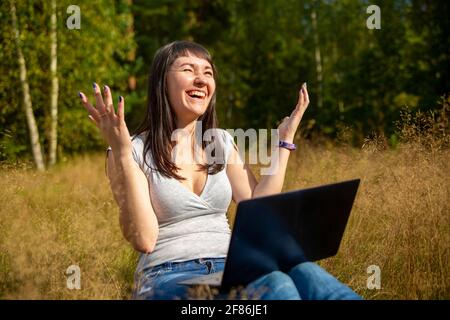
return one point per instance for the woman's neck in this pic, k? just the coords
(188, 127)
(185, 136)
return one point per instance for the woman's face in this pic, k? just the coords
(191, 85)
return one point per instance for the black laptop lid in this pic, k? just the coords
(278, 232)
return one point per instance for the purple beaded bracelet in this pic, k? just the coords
(287, 145)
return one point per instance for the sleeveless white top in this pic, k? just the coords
(191, 226)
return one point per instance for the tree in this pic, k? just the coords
(59, 63)
(31, 122)
(54, 90)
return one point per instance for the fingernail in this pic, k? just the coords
(105, 88)
(81, 96)
(304, 85)
(120, 98)
(94, 85)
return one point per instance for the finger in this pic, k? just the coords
(297, 110)
(306, 93)
(92, 111)
(301, 96)
(282, 120)
(109, 107)
(121, 109)
(93, 120)
(99, 99)
(296, 114)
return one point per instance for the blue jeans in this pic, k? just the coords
(306, 281)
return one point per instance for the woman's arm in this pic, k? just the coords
(242, 180)
(130, 189)
(128, 183)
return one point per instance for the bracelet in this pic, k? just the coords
(287, 145)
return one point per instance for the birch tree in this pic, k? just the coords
(31, 121)
(53, 137)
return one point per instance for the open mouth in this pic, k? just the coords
(196, 94)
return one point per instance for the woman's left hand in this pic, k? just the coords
(289, 125)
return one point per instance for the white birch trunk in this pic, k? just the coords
(55, 88)
(32, 126)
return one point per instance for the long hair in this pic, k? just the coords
(159, 121)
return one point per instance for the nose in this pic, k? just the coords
(200, 80)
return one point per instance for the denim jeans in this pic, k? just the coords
(306, 281)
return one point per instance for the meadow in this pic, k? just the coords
(400, 221)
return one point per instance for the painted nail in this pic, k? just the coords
(105, 88)
(120, 98)
(94, 85)
(81, 96)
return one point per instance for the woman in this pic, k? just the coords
(173, 196)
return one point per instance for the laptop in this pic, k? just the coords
(280, 231)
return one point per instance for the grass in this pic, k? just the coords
(50, 221)
(400, 222)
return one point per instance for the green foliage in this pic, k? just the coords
(263, 49)
(96, 52)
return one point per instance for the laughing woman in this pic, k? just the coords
(173, 200)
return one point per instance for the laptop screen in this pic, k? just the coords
(280, 231)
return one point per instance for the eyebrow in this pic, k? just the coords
(193, 65)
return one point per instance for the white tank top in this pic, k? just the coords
(191, 226)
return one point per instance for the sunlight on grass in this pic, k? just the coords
(67, 216)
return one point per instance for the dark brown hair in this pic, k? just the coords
(159, 121)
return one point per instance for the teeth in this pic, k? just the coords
(197, 93)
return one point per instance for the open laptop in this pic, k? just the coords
(280, 231)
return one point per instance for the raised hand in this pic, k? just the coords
(289, 125)
(112, 126)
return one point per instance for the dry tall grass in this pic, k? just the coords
(52, 220)
(400, 222)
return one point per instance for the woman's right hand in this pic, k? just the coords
(112, 126)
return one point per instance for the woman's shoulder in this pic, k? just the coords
(138, 140)
(138, 144)
(227, 142)
(224, 134)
